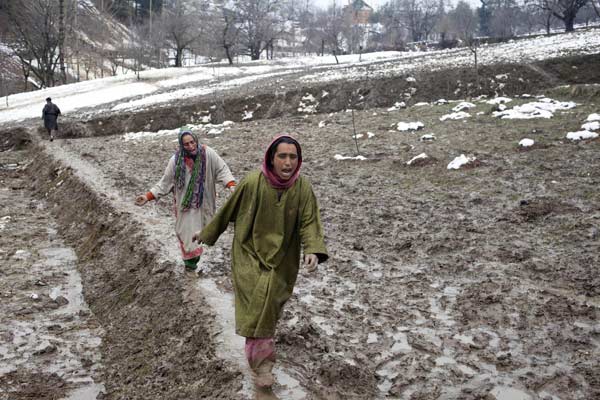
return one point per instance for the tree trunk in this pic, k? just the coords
(255, 53)
(61, 40)
(569, 22)
(178, 56)
(228, 54)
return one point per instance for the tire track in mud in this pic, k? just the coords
(48, 337)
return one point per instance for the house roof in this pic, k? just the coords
(360, 5)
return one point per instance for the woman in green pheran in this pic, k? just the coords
(275, 213)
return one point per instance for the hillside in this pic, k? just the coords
(96, 45)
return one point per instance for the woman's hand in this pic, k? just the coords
(310, 262)
(141, 200)
(196, 238)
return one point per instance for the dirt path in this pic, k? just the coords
(49, 339)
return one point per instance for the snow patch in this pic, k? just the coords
(460, 161)
(465, 105)
(582, 135)
(341, 157)
(409, 126)
(455, 116)
(419, 157)
(526, 142)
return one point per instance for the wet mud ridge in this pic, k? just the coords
(158, 337)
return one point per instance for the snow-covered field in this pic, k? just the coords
(160, 86)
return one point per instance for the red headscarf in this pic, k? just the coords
(267, 166)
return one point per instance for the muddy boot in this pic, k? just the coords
(264, 380)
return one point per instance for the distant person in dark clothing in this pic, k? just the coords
(50, 115)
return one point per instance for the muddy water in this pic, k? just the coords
(49, 339)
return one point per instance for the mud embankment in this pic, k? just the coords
(158, 341)
(271, 101)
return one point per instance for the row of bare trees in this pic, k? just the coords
(60, 40)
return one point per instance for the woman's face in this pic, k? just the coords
(189, 144)
(285, 160)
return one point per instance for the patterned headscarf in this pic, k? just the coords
(194, 192)
(267, 166)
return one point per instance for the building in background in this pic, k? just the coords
(357, 12)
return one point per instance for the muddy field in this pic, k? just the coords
(477, 283)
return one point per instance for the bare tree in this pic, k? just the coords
(35, 37)
(395, 33)
(504, 19)
(565, 10)
(420, 17)
(180, 21)
(331, 23)
(230, 30)
(259, 25)
(464, 24)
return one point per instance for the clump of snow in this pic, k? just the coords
(370, 135)
(420, 156)
(341, 157)
(499, 100)
(308, 104)
(460, 161)
(324, 94)
(427, 137)
(526, 142)
(522, 114)
(322, 124)
(410, 79)
(146, 135)
(357, 136)
(409, 126)
(397, 105)
(211, 129)
(247, 115)
(544, 108)
(216, 129)
(582, 135)
(421, 104)
(440, 101)
(465, 105)
(591, 126)
(593, 117)
(456, 115)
